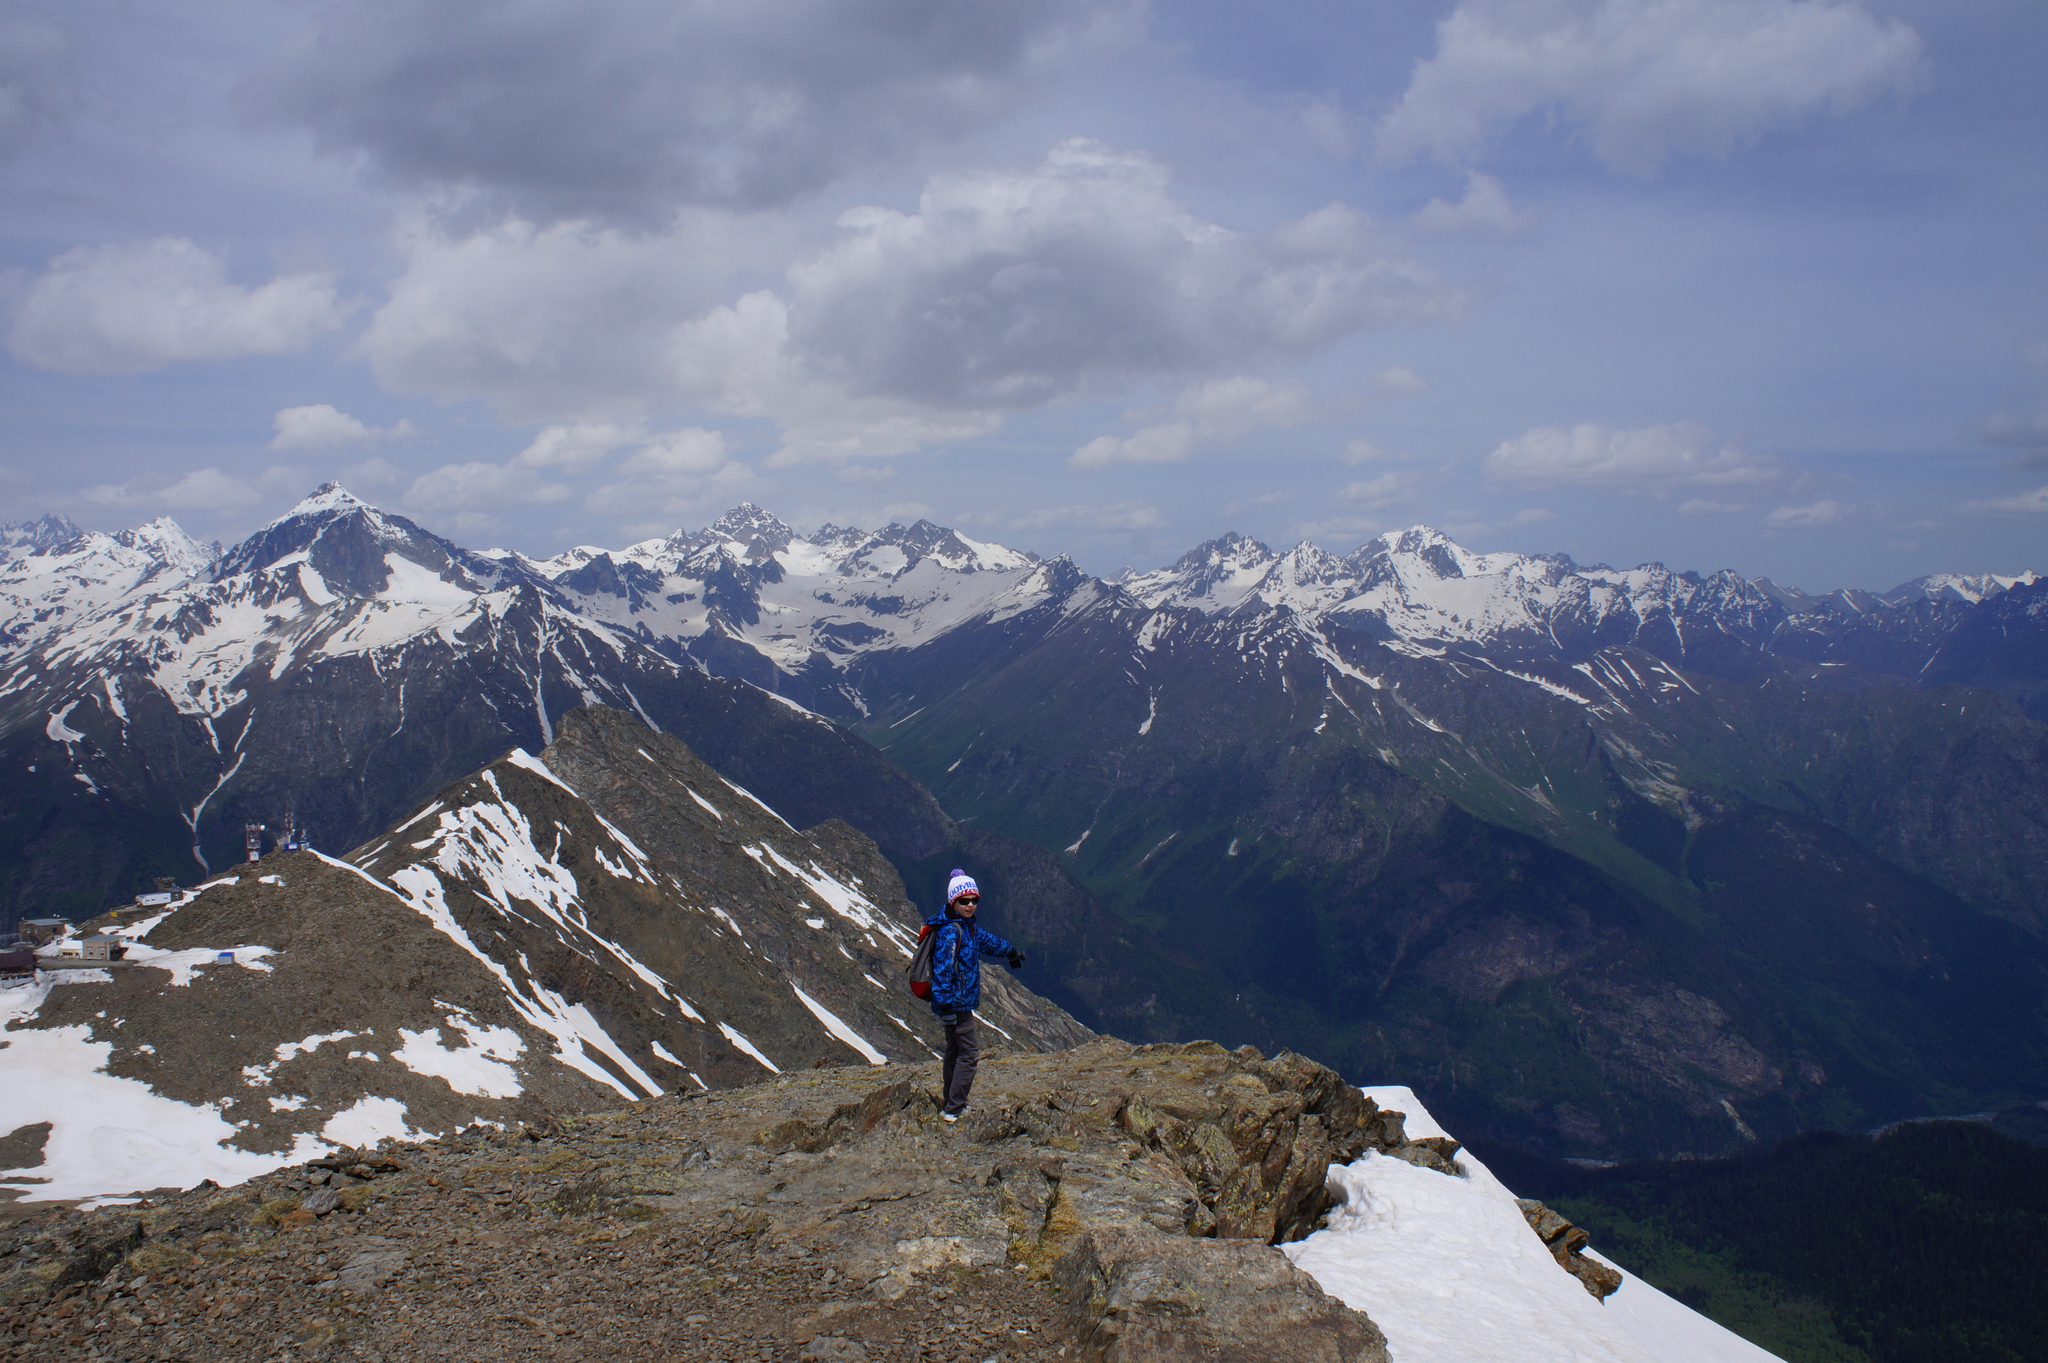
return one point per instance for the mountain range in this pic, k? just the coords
(1601, 861)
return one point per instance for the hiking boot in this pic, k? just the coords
(949, 1116)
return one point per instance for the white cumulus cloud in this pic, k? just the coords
(628, 108)
(1374, 494)
(1002, 291)
(480, 486)
(207, 489)
(1823, 512)
(1014, 289)
(574, 447)
(319, 426)
(1483, 211)
(1659, 460)
(2034, 503)
(553, 324)
(1643, 80)
(672, 474)
(123, 309)
(1222, 409)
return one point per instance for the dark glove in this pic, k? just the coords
(1016, 960)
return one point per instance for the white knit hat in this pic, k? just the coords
(960, 883)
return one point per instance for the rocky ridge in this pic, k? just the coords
(1110, 1202)
(517, 947)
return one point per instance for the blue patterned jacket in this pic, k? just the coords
(956, 962)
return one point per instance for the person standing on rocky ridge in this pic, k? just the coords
(956, 985)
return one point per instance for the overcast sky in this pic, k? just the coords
(1747, 283)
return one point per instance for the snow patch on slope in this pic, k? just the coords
(481, 1066)
(1450, 1270)
(110, 1135)
(838, 1028)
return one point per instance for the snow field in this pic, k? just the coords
(739, 1039)
(1450, 1270)
(109, 1136)
(367, 1121)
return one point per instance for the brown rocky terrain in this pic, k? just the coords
(1108, 1202)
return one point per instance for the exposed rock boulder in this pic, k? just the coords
(1566, 1243)
(1255, 1147)
(1140, 1296)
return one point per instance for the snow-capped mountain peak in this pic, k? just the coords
(52, 582)
(43, 533)
(1212, 577)
(166, 540)
(1421, 591)
(756, 534)
(1969, 587)
(327, 497)
(354, 548)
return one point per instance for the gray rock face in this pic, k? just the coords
(352, 971)
(683, 913)
(369, 1268)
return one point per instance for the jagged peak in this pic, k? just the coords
(1309, 562)
(165, 539)
(45, 532)
(1416, 539)
(327, 497)
(675, 545)
(748, 521)
(1228, 545)
(1427, 546)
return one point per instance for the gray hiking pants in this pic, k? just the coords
(963, 1058)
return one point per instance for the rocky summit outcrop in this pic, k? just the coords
(1112, 1202)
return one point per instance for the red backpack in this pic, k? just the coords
(920, 967)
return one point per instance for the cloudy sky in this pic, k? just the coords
(1745, 283)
